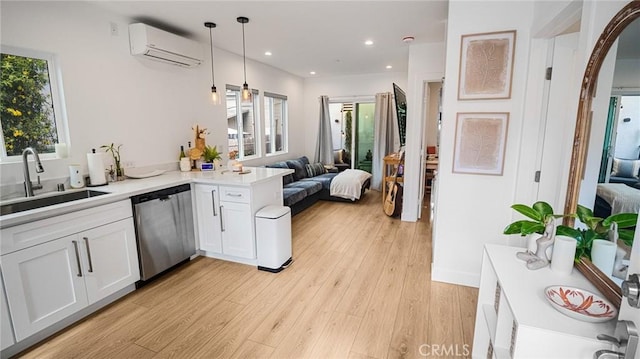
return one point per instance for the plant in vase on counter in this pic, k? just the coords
(211, 155)
(599, 240)
(541, 221)
(115, 152)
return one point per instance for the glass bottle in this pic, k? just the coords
(182, 154)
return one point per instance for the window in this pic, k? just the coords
(241, 130)
(30, 107)
(275, 123)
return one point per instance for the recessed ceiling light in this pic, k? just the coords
(268, 53)
(368, 42)
(312, 73)
(389, 67)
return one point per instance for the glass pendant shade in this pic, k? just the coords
(245, 96)
(215, 96)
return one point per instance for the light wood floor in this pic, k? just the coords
(359, 288)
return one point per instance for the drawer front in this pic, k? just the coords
(44, 230)
(235, 194)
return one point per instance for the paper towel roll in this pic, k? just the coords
(564, 251)
(603, 255)
(96, 169)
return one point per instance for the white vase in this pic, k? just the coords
(564, 252)
(603, 255)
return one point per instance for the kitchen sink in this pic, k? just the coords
(34, 203)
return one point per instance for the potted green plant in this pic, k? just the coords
(538, 215)
(211, 154)
(598, 228)
(115, 152)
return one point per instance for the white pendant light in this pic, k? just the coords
(246, 92)
(215, 96)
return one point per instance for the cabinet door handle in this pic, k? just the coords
(221, 219)
(75, 246)
(213, 200)
(86, 243)
(234, 194)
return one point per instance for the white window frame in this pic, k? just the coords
(285, 124)
(256, 119)
(57, 99)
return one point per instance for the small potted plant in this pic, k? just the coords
(538, 215)
(115, 152)
(211, 155)
(598, 228)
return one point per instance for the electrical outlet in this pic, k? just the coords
(127, 164)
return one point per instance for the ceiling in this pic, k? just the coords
(322, 36)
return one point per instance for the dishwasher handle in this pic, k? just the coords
(163, 194)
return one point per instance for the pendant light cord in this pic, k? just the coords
(244, 56)
(213, 81)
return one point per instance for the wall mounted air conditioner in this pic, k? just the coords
(159, 45)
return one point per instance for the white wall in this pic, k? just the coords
(481, 203)
(340, 87)
(432, 118)
(111, 96)
(627, 76)
(426, 64)
(473, 209)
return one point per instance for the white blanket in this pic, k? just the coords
(348, 184)
(621, 198)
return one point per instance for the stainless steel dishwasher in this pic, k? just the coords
(164, 229)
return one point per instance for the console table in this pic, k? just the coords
(514, 319)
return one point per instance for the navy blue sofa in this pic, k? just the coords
(301, 189)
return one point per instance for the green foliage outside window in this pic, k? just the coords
(347, 133)
(26, 107)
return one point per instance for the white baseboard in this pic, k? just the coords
(455, 277)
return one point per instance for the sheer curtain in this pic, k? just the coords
(383, 140)
(324, 146)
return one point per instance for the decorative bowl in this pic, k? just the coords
(580, 304)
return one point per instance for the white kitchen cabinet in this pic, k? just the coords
(111, 261)
(225, 217)
(237, 236)
(514, 319)
(208, 218)
(225, 223)
(49, 276)
(6, 330)
(44, 284)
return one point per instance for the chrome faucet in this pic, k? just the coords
(28, 186)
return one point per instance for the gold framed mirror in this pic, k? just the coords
(582, 134)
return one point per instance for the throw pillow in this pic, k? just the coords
(337, 156)
(625, 168)
(315, 169)
(298, 166)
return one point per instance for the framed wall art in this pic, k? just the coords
(486, 65)
(480, 142)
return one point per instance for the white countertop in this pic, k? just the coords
(131, 187)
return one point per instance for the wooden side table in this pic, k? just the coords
(389, 164)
